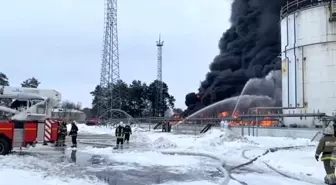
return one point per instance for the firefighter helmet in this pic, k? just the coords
(328, 130)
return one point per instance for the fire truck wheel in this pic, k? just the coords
(4, 146)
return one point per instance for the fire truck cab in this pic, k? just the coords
(26, 120)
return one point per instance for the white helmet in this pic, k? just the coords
(121, 123)
(329, 130)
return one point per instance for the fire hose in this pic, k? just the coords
(226, 172)
(276, 149)
(203, 154)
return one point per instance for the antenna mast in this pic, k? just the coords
(159, 97)
(109, 97)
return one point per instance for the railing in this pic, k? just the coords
(196, 125)
(333, 6)
(294, 5)
(332, 11)
(245, 117)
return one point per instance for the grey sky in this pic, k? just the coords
(60, 42)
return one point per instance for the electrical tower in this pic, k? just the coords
(109, 97)
(159, 95)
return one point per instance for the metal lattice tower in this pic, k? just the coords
(159, 96)
(109, 97)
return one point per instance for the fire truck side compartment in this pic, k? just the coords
(30, 132)
(18, 137)
(6, 130)
(40, 132)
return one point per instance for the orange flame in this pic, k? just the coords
(262, 123)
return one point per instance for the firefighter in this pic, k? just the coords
(62, 132)
(120, 134)
(73, 133)
(164, 128)
(326, 146)
(128, 132)
(169, 127)
(58, 133)
(224, 124)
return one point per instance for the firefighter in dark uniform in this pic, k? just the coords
(62, 132)
(58, 132)
(120, 134)
(73, 133)
(128, 132)
(327, 146)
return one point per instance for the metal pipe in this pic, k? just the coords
(295, 66)
(257, 123)
(287, 61)
(237, 119)
(272, 108)
(303, 79)
(295, 71)
(285, 115)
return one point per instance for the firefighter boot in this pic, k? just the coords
(121, 146)
(57, 144)
(326, 180)
(63, 143)
(330, 179)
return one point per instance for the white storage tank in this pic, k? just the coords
(308, 46)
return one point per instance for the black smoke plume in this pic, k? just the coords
(248, 49)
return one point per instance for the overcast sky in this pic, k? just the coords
(60, 42)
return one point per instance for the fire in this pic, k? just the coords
(223, 114)
(231, 123)
(266, 122)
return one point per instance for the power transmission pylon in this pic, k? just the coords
(109, 97)
(159, 95)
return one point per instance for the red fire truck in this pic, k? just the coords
(27, 120)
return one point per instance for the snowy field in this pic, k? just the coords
(297, 166)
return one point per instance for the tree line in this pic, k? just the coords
(137, 98)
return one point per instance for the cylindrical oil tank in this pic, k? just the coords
(308, 46)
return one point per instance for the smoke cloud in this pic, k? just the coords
(248, 49)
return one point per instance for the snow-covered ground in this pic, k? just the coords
(144, 153)
(17, 170)
(84, 129)
(296, 163)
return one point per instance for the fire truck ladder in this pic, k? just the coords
(332, 11)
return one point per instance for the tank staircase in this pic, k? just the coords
(157, 126)
(332, 6)
(206, 128)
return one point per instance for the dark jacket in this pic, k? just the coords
(128, 129)
(120, 132)
(63, 129)
(326, 147)
(73, 130)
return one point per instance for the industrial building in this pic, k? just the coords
(308, 53)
